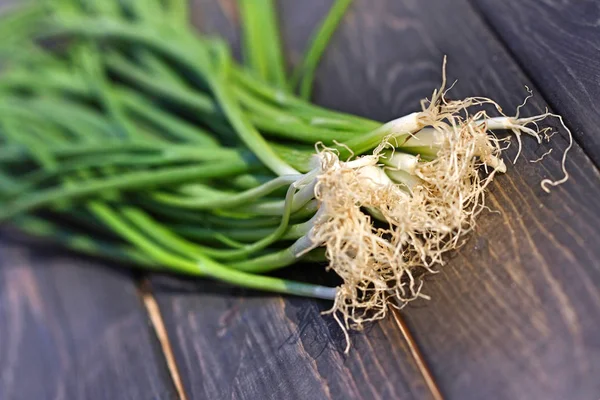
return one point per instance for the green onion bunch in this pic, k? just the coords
(126, 134)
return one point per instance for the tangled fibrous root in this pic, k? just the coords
(379, 236)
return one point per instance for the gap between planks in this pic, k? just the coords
(158, 325)
(417, 356)
(405, 332)
(160, 330)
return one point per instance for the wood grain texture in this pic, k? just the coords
(73, 329)
(557, 43)
(236, 344)
(515, 313)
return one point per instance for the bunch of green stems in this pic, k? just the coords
(126, 134)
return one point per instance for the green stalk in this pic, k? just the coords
(249, 135)
(294, 104)
(305, 74)
(82, 243)
(204, 266)
(226, 200)
(61, 112)
(38, 177)
(168, 122)
(110, 29)
(130, 181)
(146, 138)
(195, 100)
(262, 42)
(171, 240)
(94, 74)
(110, 146)
(177, 12)
(208, 219)
(21, 22)
(268, 262)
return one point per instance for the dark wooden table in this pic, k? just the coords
(514, 315)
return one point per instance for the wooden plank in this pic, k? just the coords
(556, 43)
(238, 344)
(73, 329)
(232, 343)
(514, 315)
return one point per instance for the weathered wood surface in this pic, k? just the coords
(71, 328)
(246, 345)
(231, 343)
(557, 43)
(514, 315)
